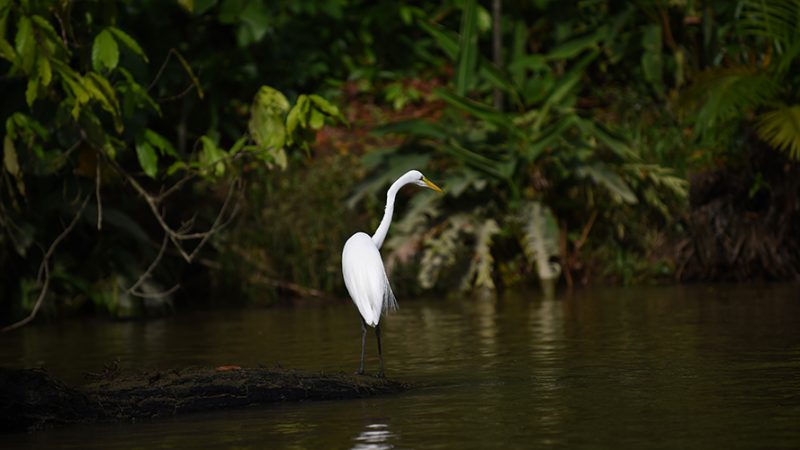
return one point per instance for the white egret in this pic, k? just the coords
(363, 271)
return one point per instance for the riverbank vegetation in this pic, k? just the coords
(221, 151)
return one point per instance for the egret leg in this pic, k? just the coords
(363, 345)
(380, 353)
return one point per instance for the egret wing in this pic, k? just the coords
(365, 278)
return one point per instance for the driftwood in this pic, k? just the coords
(30, 399)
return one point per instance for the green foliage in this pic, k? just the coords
(540, 239)
(781, 129)
(85, 125)
(289, 237)
(733, 92)
(529, 168)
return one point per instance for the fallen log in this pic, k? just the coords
(30, 399)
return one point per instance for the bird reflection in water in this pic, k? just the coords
(375, 436)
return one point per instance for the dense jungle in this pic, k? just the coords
(169, 154)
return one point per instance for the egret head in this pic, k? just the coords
(419, 179)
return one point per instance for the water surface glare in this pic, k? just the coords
(661, 367)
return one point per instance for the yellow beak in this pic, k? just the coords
(431, 185)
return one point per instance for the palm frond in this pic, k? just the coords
(723, 94)
(778, 20)
(781, 129)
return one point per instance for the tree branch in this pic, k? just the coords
(182, 234)
(44, 269)
(156, 294)
(99, 200)
(152, 267)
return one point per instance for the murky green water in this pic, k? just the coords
(686, 367)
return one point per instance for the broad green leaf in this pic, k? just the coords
(25, 44)
(80, 95)
(33, 90)
(327, 107)
(95, 133)
(280, 159)
(480, 111)
(148, 159)
(176, 166)
(105, 52)
(781, 129)
(652, 61)
(575, 47)
(10, 157)
(238, 145)
(622, 149)
(100, 90)
(7, 51)
(296, 114)
(140, 94)
(604, 176)
(72, 81)
(267, 118)
(448, 43)
(12, 164)
(475, 159)
(129, 42)
(212, 157)
(564, 86)
(188, 5)
(43, 26)
(548, 137)
(159, 142)
(21, 126)
(467, 49)
(445, 39)
(44, 69)
(317, 119)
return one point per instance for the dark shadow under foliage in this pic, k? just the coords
(744, 220)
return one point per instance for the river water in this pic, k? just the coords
(662, 367)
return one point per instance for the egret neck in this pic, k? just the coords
(383, 228)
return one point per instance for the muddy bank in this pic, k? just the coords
(30, 399)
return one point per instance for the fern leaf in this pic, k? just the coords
(540, 239)
(440, 251)
(482, 264)
(661, 177)
(409, 232)
(781, 129)
(609, 179)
